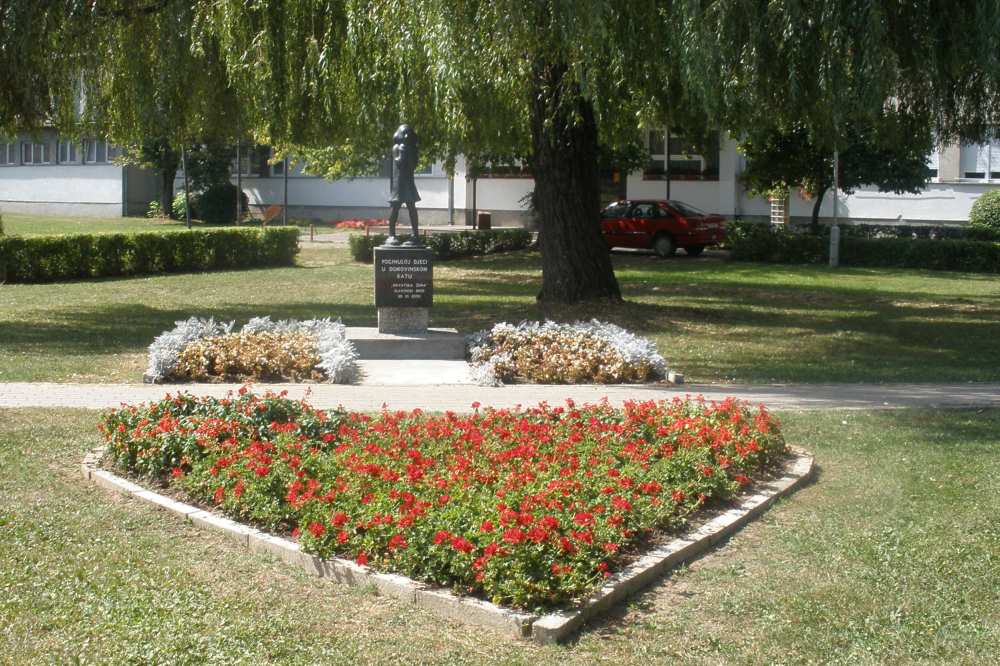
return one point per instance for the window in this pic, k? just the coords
(687, 161)
(511, 168)
(67, 152)
(646, 211)
(616, 210)
(8, 153)
(99, 151)
(980, 161)
(35, 153)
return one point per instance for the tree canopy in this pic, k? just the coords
(889, 153)
(548, 79)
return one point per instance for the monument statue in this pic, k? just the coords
(403, 188)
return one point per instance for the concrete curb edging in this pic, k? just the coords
(546, 629)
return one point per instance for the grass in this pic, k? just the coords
(716, 321)
(890, 557)
(49, 225)
(46, 225)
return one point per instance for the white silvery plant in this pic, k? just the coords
(486, 361)
(338, 356)
(166, 347)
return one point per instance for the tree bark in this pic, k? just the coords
(814, 222)
(168, 172)
(576, 264)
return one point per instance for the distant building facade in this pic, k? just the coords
(47, 175)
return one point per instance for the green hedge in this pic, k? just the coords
(452, 245)
(761, 242)
(81, 256)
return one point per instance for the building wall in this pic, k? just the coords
(62, 189)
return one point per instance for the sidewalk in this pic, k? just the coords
(445, 397)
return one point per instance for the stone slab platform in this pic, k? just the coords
(438, 344)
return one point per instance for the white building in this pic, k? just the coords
(47, 176)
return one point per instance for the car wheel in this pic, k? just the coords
(694, 250)
(664, 245)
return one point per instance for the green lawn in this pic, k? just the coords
(714, 320)
(46, 225)
(891, 556)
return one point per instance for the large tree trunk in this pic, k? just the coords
(814, 222)
(576, 265)
(168, 172)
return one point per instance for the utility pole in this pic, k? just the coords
(187, 193)
(239, 179)
(284, 192)
(835, 229)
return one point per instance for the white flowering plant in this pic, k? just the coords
(555, 353)
(286, 350)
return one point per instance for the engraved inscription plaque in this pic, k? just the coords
(403, 277)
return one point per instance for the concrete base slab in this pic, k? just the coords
(413, 373)
(403, 321)
(442, 344)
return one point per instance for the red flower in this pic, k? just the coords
(742, 480)
(219, 493)
(678, 496)
(362, 558)
(342, 537)
(317, 529)
(398, 541)
(487, 526)
(441, 537)
(583, 518)
(462, 544)
(339, 519)
(177, 472)
(514, 535)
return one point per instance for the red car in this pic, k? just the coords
(661, 226)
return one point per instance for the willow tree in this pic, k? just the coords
(155, 83)
(555, 79)
(546, 80)
(140, 73)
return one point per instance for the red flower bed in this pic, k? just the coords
(361, 224)
(528, 508)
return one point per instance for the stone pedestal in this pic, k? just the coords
(404, 288)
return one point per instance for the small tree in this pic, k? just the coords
(889, 153)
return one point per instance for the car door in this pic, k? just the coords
(613, 220)
(640, 226)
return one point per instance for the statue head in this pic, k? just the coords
(405, 135)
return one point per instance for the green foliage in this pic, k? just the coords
(155, 210)
(761, 242)
(889, 153)
(451, 245)
(82, 256)
(217, 204)
(179, 207)
(985, 213)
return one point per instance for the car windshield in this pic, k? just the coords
(685, 209)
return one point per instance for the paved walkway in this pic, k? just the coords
(459, 398)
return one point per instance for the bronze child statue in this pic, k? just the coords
(403, 187)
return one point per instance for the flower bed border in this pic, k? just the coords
(545, 629)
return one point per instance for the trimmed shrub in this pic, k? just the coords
(81, 256)
(761, 242)
(985, 213)
(452, 244)
(217, 204)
